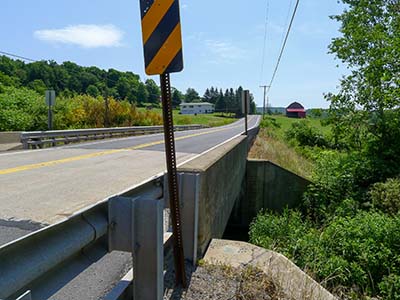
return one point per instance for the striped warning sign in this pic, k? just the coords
(162, 38)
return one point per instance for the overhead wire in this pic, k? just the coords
(34, 60)
(284, 44)
(264, 52)
(17, 56)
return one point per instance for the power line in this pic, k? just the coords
(33, 60)
(265, 42)
(286, 22)
(284, 43)
(17, 56)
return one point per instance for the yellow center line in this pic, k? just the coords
(101, 153)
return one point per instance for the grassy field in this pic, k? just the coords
(212, 120)
(285, 123)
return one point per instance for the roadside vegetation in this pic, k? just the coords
(346, 232)
(24, 109)
(81, 93)
(272, 144)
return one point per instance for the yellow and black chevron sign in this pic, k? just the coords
(162, 37)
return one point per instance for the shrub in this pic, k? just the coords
(357, 254)
(281, 233)
(305, 135)
(386, 195)
(22, 109)
(269, 122)
(390, 287)
(338, 176)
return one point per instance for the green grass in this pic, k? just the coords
(268, 147)
(212, 120)
(285, 123)
(271, 145)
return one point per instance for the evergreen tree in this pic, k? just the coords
(191, 95)
(177, 97)
(207, 96)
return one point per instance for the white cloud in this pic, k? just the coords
(225, 51)
(86, 36)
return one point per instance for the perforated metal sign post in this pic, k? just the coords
(162, 43)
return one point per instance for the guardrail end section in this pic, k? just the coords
(136, 226)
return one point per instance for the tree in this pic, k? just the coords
(191, 95)
(207, 96)
(38, 85)
(365, 112)
(154, 91)
(142, 94)
(177, 97)
(93, 91)
(220, 105)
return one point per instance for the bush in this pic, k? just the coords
(22, 109)
(357, 254)
(269, 122)
(390, 287)
(338, 176)
(306, 135)
(281, 233)
(386, 195)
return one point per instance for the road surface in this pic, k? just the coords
(41, 187)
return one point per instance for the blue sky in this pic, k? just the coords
(223, 42)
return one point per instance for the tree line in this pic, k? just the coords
(69, 79)
(229, 101)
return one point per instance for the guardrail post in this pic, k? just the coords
(136, 226)
(190, 189)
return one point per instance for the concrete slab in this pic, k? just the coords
(290, 278)
(10, 147)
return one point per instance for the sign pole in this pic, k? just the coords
(50, 96)
(169, 139)
(50, 118)
(162, 45)
(246, 108)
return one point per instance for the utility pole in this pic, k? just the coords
(265, 95)
(106, 106)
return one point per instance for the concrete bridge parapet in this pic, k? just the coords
(210, 186)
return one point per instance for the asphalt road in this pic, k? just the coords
(41, 187)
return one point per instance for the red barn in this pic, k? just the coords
(295, 110)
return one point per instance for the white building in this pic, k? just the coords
(197, 108)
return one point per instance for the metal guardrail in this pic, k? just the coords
(25, 262)
(40, 139)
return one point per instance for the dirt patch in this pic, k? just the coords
(219, 282)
